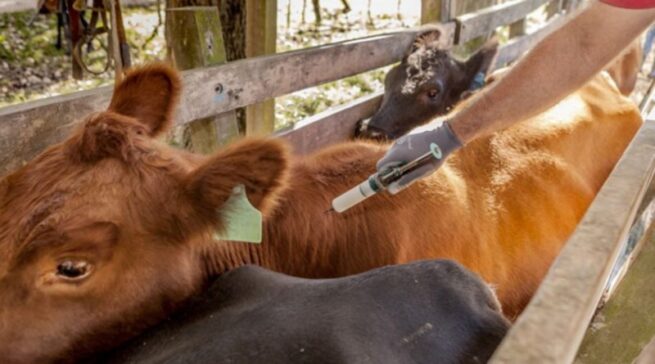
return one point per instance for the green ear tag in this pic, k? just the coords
(243, 222)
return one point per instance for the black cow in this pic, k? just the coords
(427, 83)
(423, 312)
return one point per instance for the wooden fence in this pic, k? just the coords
(26, 129)
(551, 328)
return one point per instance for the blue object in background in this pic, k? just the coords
(648, 44)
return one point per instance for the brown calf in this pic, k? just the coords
(107, 232)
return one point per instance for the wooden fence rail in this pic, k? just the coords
(27, 129)
(487, 20)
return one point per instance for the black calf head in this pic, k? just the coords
(427, 83)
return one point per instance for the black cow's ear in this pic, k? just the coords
(472, 72)
(429, 36)
(148, 94)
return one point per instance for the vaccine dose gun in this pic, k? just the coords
(381, 180)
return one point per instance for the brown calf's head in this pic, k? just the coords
(428, 82)
(103, 234)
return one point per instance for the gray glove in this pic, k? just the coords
(413, 146)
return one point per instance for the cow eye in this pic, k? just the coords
(73, 270)
(433, 92)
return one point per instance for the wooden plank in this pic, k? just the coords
(460, 7)
(434, 11)
(552, 326)
(487, 20)
(26, 129)
(518, 46)
(626, 323)
(331, 126)
(261, 34)
(194, 39)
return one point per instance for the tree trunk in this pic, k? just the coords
(346, 6)
(317, 11)
(233, 18)
(304, 9)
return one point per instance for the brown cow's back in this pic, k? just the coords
(503, 205)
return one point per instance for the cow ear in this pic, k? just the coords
(258, 164)
(148, 94)
(428, 37)
(105, 135)
(472, 72)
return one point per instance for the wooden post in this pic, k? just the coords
(261, 34)
(453, 8)
(434, 11)
(194, 39)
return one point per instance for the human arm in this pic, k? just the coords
(560, 64)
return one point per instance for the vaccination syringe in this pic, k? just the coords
(381, 180)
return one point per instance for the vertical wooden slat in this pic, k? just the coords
(194, 38)
(433, 10)
(261, 34)
(461, 7)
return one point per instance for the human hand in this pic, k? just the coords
(413, 146)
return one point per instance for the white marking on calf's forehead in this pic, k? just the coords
(422, 65)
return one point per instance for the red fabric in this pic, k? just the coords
(631, 4)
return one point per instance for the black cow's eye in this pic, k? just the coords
(73, 270)
(433, 92)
